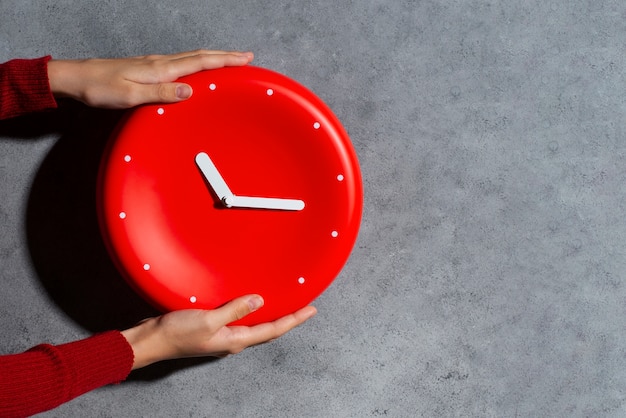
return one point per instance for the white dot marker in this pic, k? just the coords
(316, 125)
(127, 158)
(301, 280)
(270, 92)
(334, 234)
(212, 86)
(193, 299)
(122, 215)
(160, 111)
(146, 267)
(340, 177)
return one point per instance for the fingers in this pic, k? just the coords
(159, 86)
(243, 336)
(261, 333)
(189, 64)
(186, 54)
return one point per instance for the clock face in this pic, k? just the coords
(250, 186)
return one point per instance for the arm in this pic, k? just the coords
(24, 87)
(46, 376)
(31, 85)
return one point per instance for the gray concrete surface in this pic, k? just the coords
(488, 278)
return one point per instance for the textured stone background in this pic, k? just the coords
(488, 278)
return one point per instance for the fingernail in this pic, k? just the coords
(255, 302)
(247, 55)
(183, 91)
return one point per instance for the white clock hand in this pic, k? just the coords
(263, 203)
(219, 186)
(213, 176)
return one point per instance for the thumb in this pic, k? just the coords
(165, 93)
(238, 308)
(183, 91)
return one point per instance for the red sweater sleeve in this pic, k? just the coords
(24, 87)
(46, 376)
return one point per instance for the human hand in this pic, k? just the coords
(128, 82)
(200, 333)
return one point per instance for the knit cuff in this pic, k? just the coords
(97, 361)
(25, 87)
(46, 376)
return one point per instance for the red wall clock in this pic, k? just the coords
(250, 186)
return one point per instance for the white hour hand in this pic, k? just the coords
(264, 203)
(212, 176)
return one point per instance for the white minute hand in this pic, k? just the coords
(264, 203)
